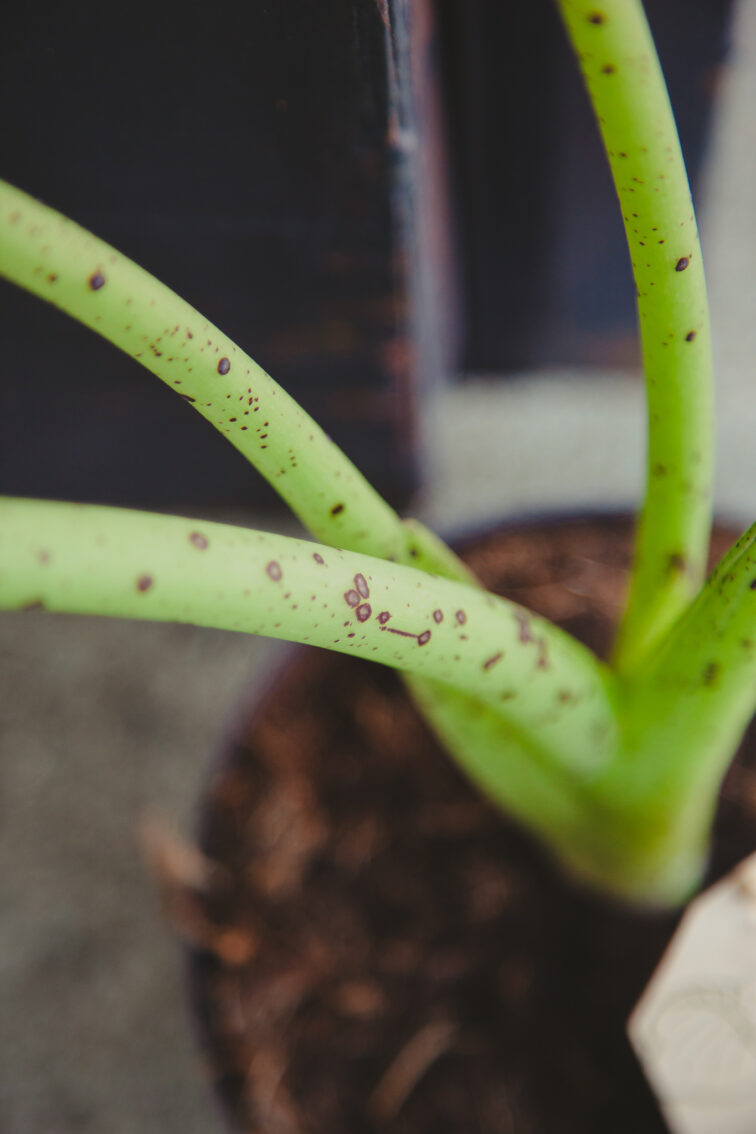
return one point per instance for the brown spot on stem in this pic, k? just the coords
(383, 617)
(318, 557)
(690, 336)
(198, 540)
(96, 281)
(677, 562)
(352, 598)
(224, 366)
(682, 264)
(711, 673)
(608, 69)
(424, 638)
(523, 624)
(43, 557)
(596, 18)
(438, 616)
(363, 612)
(492, 661)
(36, 604)
(144, 582)
(361, 584)
(274, 571)
(461, 617)
(52, 277)
(336, 509)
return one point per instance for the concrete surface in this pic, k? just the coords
(101, 720)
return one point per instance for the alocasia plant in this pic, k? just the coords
(616, 767)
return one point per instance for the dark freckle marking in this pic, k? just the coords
(564, 696)
(752, 584)
(596, 18)
(461, 617)
(37, 604)
(234, 419)
(682, 264)
(690, 336)
(659, 469)
(383, 617)
(363, 612)
(676, 562)
(336, 509)
(52, 277)
(144, 582)
(360, 583)
(96, 281)
(608, 69)
(274, 570)
(43, 556)
(198, 540)
(351, 598)
(414, 552)
(224, 366)
(438, 615)
(523, 622)
(543, 654)
(492, 661)
(711, 673)
(318, 557)
(424, 638)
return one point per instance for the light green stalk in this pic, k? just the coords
(685, 714)
(95, 560)
(59, 261)
(619, 63)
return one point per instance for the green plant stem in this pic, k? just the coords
(619, 63)
(95, 560)
(54, 258)
(684, 715)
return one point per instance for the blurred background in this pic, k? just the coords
(385, 203)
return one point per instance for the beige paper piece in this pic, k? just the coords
(694, 1029)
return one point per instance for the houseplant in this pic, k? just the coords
(616, 769)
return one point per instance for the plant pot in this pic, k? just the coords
(380, 948)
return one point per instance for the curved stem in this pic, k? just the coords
(64, 264)
(686, 712)
(95, 560)
(619, 63)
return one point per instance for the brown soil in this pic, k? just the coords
(381, 950)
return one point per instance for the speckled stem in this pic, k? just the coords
(617, 56)
(685, 713)
(95, 560)
(69, 267)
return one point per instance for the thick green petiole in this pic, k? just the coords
(95, 560)
(616, 53)
(64, 264)
(685, 714)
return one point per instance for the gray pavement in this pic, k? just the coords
(101, 721)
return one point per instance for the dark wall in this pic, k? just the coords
(242, 152)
